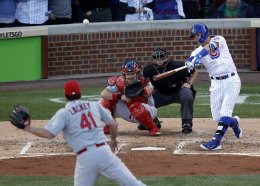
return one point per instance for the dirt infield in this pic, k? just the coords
(25, 154)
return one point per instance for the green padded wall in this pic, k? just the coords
(20, 59)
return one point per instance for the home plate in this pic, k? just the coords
(149, 148)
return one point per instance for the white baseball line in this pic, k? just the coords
(26, 148)
(120, 147)
(180, 146)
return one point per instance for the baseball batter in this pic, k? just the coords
(82, 125)
(139, 109)
(214, 54)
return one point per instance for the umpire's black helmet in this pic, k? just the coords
(159, 53)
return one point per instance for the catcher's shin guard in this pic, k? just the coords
(110, 105)
(142, 116)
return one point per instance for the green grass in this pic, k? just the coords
(37, 101)
(41, 108)
(241, 180)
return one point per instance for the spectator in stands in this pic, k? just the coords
(97, 10)
(117, 14)
(235, 9)
(136, 10)
(7, 13)
(77, 13)
(60, 12)
(256, 5)
(31, 12)
(218, 3)
(191, 9)
(167, 9)
(207, 8)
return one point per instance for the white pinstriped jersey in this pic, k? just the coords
(82, 123)
(223, 92)
(219, 62)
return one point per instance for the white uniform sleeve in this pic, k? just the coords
(57, 122)
(220, 40)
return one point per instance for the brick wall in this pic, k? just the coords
(104, 52)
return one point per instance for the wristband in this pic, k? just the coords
(116, 96)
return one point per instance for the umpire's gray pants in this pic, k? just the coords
(183, 96)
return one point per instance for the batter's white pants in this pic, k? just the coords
(223, 96)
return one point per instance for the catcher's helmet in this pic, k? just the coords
(130, 66)
(200, 28)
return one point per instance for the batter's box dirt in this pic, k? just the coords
(230, 147)
(49, 147)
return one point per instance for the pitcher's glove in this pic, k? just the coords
(20, 117)
(133, 89)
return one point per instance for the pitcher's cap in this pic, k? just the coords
(71, 88)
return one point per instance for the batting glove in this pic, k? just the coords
(190, 65)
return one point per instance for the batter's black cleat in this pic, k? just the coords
(186, 128)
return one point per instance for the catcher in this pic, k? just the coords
(129, 96)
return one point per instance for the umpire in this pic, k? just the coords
(176, 88)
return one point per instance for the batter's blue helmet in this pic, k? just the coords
(200, 28)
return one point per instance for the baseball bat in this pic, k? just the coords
(168, 73)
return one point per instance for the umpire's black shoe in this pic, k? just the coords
(186, 128)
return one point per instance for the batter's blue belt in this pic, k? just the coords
(223, 77)
(86, 148)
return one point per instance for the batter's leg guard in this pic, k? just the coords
(236, 127)
(110, 105)
(214, 144)
(142, 116)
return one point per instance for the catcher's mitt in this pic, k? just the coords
(133, 89)
(20, 117)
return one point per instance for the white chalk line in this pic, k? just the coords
(119, 148)
(24, 154)
(26, 148)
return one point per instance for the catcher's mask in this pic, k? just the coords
(202, 29)
(160, 58)
(130, 67)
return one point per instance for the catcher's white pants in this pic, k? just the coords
(123, 111)
(102, 161)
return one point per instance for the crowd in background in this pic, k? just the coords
(49, 12)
